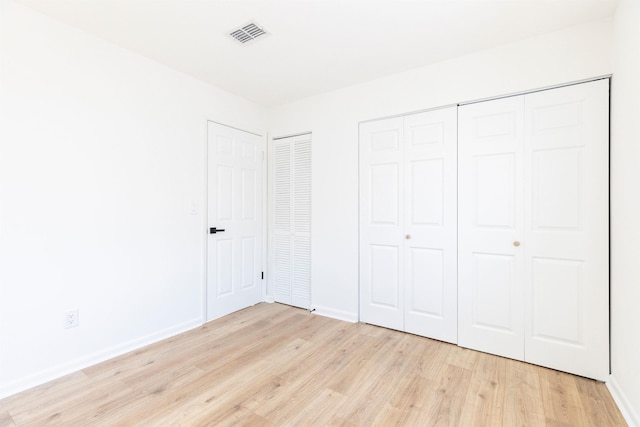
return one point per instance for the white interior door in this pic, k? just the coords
(381, 230)
(235, 239)
(430, 200)
(490, 226)
(566, 241)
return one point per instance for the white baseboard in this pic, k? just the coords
(628, 412)
(335, 314)
(69, 367)
(269, 299)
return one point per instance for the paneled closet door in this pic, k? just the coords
(490, 227)
(566, 242)
(430, 254)
(408, 224)
(381, 228)
(533, 228)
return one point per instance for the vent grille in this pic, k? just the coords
(248, 33)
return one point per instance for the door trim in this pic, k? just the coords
(490, 98)
(540, 89)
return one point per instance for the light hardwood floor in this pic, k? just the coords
(276, 365)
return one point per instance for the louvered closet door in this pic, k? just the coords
(292, 221)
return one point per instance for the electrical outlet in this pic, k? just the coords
(71, 318)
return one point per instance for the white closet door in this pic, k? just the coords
(490, 227)
(292, 221)
(408, 223)
(282, 244)
(381, 232)
(534, 172)
(430, 257)
(301, 248)
(566, 240)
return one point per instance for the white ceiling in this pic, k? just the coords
(315, 46)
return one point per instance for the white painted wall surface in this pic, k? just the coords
(101, 157)
(625, 211)
(565, 56)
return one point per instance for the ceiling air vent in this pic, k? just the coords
(248, 33)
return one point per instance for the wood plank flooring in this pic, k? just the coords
(275, 365)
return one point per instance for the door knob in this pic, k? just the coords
(214, 230)
(408, 236)
(516, 243)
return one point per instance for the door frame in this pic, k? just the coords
(204, 212)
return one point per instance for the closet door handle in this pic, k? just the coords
(516, 243)
(214, 230)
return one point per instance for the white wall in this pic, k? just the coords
(101, 157)
(569, 55)
(625, 211)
